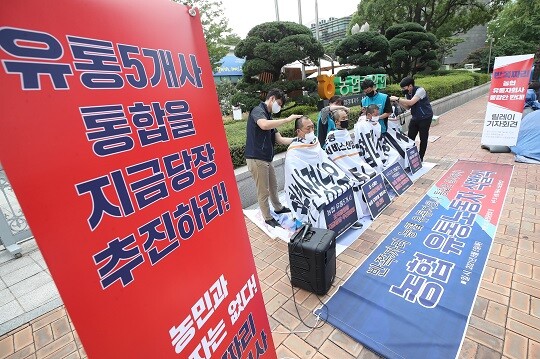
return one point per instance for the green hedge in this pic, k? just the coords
(441, 86)
(298, 110)
(436, 86)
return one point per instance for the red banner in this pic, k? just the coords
(509, 81)
(112, 138)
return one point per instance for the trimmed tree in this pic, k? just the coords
(444, 18)
(368, 50)
(413, 50)
(267, 48)
(520, 21)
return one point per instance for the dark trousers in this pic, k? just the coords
(422, 127)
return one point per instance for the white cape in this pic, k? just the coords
(341, 149)
(312, 181)
(398, 140)
(373, 146)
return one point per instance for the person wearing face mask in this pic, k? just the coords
(304, 129)
(261, 136)
(372, 97)
(312, 180)
(417, 100)
(325, 122)
(372, 144)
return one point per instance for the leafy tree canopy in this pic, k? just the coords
(413, 50)
(270, 46)
(519, 20)
(231, 40)
(368, 50)
(504, 47)
(267, 48)
(215, 27)
(330, 48)
(444, 18)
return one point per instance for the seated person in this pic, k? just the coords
(312, 180)
(341, 149)
(372, 144)
(325, 123)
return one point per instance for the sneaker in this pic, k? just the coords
(357, 225)
(272, 222)
(283, 210)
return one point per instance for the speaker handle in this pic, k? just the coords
(305, 231)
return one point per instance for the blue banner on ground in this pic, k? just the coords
(376, 195)
(412, 297)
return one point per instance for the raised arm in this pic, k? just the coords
(265, 124)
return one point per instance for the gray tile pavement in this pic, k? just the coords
(26, 287)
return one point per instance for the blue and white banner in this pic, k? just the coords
(412, 297)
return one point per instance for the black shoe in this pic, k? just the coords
(357, 225)
(272, 222)
(283, 210)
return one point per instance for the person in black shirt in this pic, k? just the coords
(261, 136)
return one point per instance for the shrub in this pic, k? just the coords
(298, 110)
(436, 87)
(247, 102)
(441, 86)
(480, 78)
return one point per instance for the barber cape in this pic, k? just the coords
(312, 181)
(373, 146)
(398, 140)
(342, 150)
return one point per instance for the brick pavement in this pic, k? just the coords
(505, 322)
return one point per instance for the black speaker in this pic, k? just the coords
(312, 258)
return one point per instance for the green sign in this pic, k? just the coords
(351, 84)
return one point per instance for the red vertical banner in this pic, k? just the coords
(509, 82)
(112, 138)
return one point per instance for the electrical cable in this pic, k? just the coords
(323, 305)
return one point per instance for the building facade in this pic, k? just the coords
(331, 29)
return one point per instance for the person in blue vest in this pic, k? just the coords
(372, 97)
(417, 100)
(325, 122)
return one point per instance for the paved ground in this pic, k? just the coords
(506, 316)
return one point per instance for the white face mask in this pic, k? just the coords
(374, 119)
(276, 107)
(310, 137)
